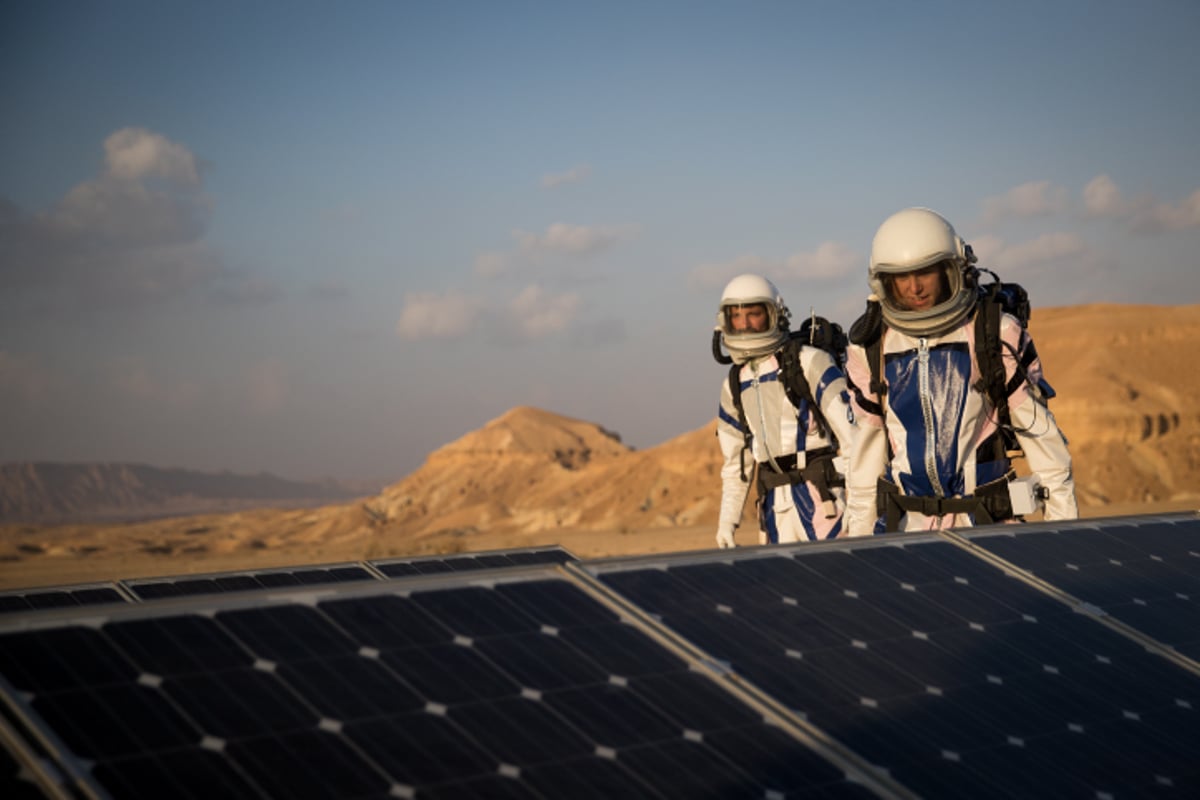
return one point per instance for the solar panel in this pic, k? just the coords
(188, 585)
(1145, 573)
(957, 677)
(432, 565)
(61, 597)
(1039, 660)
(528, 684)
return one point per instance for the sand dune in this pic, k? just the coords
(1128, 399)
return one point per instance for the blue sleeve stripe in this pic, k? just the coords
(724, 416)
(828, 377)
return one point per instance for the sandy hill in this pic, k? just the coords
(1128, 400)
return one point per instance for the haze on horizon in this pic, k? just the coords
(320, 240)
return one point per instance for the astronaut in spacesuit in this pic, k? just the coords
(793, 429)
(933, 448)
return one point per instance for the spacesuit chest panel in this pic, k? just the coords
(778, 428)
(927, 395)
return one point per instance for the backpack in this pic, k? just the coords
(995, 299)
(814, 332)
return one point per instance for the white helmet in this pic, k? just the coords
(747, 290)
(910, 240)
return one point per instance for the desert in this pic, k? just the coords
(1127, 398)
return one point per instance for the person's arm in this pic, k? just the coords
(1044, 444)
(733, 489)
(829, 388)
(868, 454)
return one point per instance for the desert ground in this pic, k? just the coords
(1128, 401)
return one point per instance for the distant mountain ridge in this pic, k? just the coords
(50, 492)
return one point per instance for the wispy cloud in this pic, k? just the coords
(1033, 199)
(1143, 214)
(1046, 249)
(429, 315)
(532, 313)
(828, 262)
(576, 174)
(564, 239)
(559, 241)
(129, 235)
(1102, 198)
(1160, 217)
(535, 312)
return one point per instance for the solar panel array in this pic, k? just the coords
(1047, 659)
(135, 589)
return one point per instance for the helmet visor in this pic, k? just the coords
(747, 318)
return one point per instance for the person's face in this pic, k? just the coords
(748, 319)
(920, 289)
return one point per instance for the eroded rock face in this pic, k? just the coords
(1128, 398)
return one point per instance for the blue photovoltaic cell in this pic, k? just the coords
(530, 688)
(957, 678)
(1146, 574)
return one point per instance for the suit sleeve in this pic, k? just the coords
(868, 456)
(829, 388)
(1043, 442)
(732, 442)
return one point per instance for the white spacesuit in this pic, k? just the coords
(930, 449)
(793, 447)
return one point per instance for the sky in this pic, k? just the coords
(323, 239)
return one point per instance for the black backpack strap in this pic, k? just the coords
(867, 332)
(795, 385)
(989, 356)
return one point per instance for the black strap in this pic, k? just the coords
(818, 469)
(989, 504)
(795, 385)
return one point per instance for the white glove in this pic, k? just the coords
(725, 538)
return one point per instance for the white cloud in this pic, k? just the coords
(427, 315)
(564, 239)
(129, 235)
(574, 175)
(133, 154)
(1164, 218)
(1033, 199)
(536, 313)
(829, 261)
(1048, 248)
(1102, 198)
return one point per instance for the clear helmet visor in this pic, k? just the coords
(927, 301)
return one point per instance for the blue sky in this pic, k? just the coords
(324, 239)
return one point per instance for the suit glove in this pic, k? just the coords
(725, 538)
